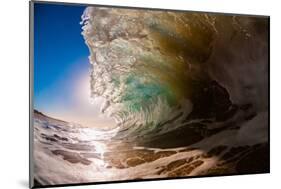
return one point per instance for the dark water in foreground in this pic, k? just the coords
(64, 153)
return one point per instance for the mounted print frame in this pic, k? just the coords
(121, 94)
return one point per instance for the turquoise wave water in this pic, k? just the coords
(152, 66)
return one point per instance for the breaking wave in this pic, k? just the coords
(160, 70)
(188, 91)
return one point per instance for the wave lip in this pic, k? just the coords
(142, 79)
(153, 65)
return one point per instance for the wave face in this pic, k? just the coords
(188, 91)
(161, 70)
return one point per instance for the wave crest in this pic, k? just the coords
(151, 65)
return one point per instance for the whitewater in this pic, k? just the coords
(188, 92)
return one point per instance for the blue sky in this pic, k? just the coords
(58, 45)
(61, 65)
